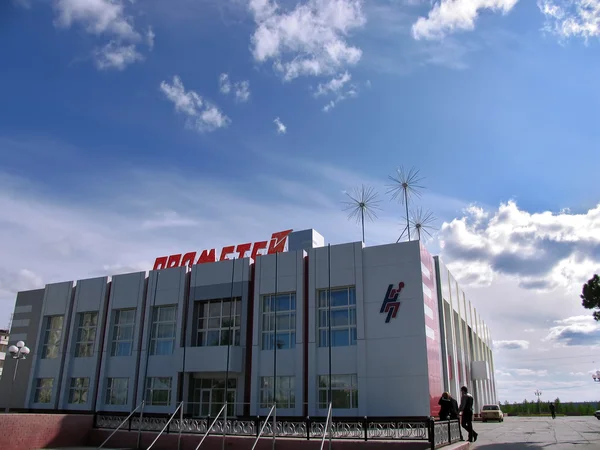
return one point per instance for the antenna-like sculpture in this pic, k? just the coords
(422, 221)
(362, 204)
(405, 185)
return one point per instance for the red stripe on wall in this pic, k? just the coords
(305, 340)
(249, 343)
(434, 350)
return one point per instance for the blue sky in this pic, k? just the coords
(116, 132)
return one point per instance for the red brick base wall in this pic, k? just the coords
(34, 431)
(124, 439)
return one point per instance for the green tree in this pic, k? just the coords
(590, 295)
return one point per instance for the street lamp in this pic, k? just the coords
(538, 394)
(596, 376)
(18, 352)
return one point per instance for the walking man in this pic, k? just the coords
(552, 410)
(466, 407)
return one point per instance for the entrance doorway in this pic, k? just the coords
(208, 396)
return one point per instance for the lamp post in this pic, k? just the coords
(538, 394)
(596, 376)
(18, 352)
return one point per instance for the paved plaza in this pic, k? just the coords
(526, 433)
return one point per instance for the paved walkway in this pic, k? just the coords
(525, 433)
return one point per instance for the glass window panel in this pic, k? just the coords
(214, 309)
(343, 318)
(123, 328)
(215, 330)
(339, 298)
(340, 318)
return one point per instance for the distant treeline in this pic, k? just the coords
(533, 407)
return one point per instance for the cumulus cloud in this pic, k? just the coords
(116, 56)
(310, 39)
(338, 88)
(449, 16)
(575, 331)
(201, 115)
(541, 250)
(281, 128)
(104, 18)
(511, 345)
(241, 89)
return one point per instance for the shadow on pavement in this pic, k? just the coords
(512, 446)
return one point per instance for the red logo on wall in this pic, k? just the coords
(276, 245)
(391, 305)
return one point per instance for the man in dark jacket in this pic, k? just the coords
(466, 407)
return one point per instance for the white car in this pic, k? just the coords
(492, 412)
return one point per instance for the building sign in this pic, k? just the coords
(391, 305)
(275, 245)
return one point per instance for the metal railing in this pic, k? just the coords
(274, 412)
(180, 409)
(327, 426)
(212, 425)
(229, 424)
(125, 420)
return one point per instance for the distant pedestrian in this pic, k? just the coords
(553, 410)
(466, 407)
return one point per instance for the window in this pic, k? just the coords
(208, 395)
(122, 338)
(162, 337)
(52, 337)
(116, 391)
(343, 317)
(213, 322)
(284, 305)
(78, 393)
(344, 390)
(286, 394)
(86, 334)
(158, 391)
(43, 390)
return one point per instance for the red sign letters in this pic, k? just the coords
(276, 245)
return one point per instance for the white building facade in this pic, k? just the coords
(255, 330)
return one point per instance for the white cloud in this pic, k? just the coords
(241, 89)
(115, 56)
(201, 115)
(311, 39)
(150, 38)
(529, 372)
(575, 331)
(541, 250)
(224, 83)
(572, 18)
(105, 18)
(281, 128)
(337, 87)
(511, 345)
(449, 16)
(97, 16)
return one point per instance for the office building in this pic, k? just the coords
(200, 329)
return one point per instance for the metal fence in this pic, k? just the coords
(437, 433)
